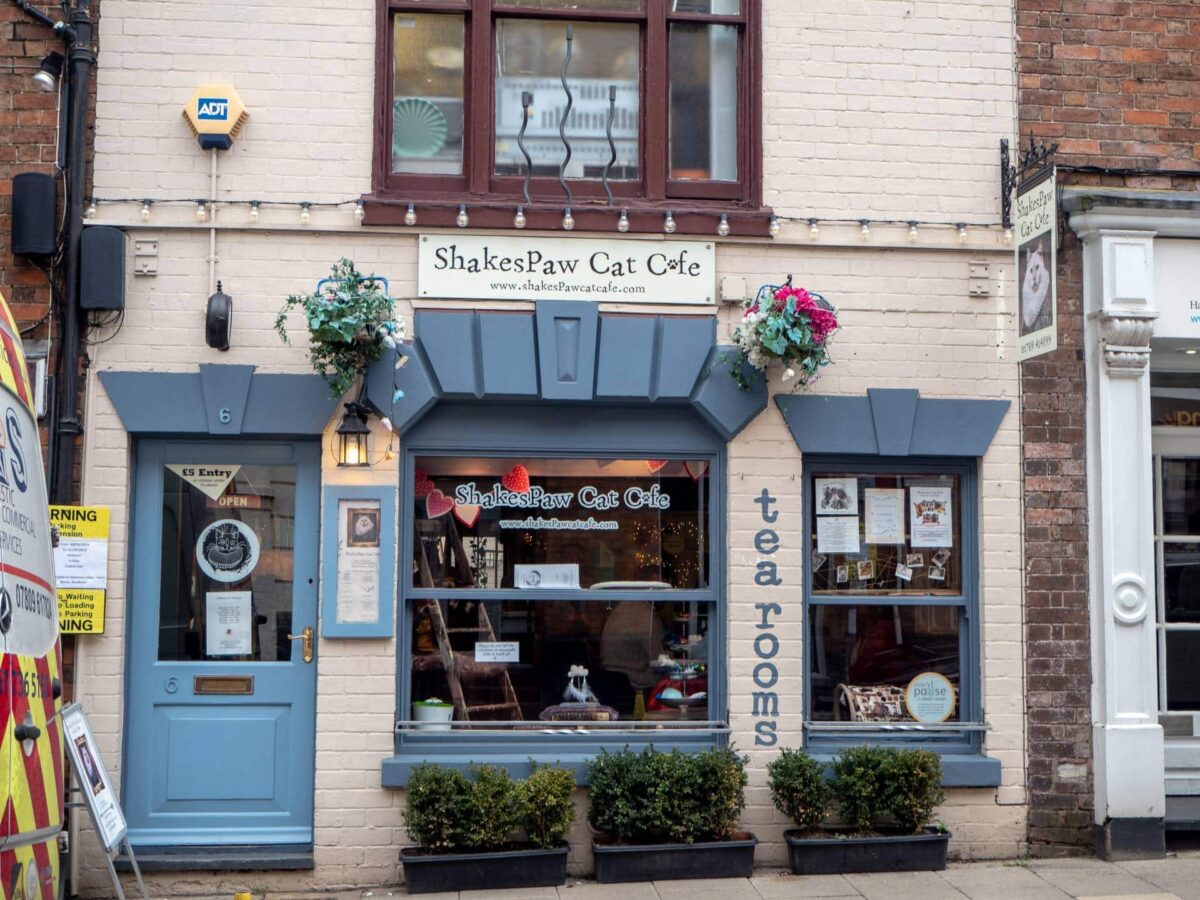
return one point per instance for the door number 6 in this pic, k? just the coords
(225, 415)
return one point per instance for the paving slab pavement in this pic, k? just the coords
(1175, 877)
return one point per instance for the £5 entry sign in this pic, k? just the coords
(81, 567)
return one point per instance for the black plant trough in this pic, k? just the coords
(428, 873)
(733, 858)
(837, 854)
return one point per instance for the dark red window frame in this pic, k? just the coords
(696, 206)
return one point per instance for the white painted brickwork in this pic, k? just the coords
(859, 95)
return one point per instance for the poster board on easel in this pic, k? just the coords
(93, 783)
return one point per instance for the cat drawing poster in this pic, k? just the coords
(1037, 328)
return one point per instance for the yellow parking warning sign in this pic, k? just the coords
(81, 567)
(81, 611)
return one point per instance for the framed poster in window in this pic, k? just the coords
(358, 561)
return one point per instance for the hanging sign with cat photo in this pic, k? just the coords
(1037, 301)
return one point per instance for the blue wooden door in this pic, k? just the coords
(221, 698)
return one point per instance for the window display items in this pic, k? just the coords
(577, 690)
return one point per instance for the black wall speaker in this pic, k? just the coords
(34, 209)
(102, 268)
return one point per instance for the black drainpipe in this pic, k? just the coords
(77, 35)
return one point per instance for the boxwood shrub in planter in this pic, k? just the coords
(885, 801)
(669, 815)
(486, 831)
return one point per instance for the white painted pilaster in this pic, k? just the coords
(1119, 304)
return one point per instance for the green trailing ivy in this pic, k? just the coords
(350, 324)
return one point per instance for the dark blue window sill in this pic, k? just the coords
(519, 756)
(958, 769)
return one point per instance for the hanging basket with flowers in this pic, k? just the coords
(786, 325)
(351, 322)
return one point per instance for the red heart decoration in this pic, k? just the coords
(422, 483)
(467, 513)
(437, 504)
(695, 469)
(655, 465)
(517, 480)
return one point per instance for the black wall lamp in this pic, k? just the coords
(50, 70)
(218, 320)
(354, 434)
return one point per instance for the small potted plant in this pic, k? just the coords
(886, 799)
(486, 831)
(785, 325)
(669, 815)
(351, 323)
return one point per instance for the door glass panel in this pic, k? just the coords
(1181, 582)
(1183, 670)
(1181, 496)
(529, 59)
(227, 568)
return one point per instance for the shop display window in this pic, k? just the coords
(890, 644)
(572, 590)
(457, 78)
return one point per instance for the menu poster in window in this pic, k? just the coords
(884, 515)
(92, 778)
(358, 551)
(932, 519)
(227, 623)
(837, 534)
(836, 496)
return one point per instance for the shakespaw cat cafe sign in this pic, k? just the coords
(1037, 300)
(479, 267)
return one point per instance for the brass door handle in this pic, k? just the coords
(307, 636)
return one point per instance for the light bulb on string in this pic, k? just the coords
(723, 226)
(814, 229)
(864, 230)
(623, 222)
(519, 220)
(962, 233)
(410, 216)
(305, 215)
(568, 220)
(669, 225)
(773, 226)
(90, 212)
(254, 205)
(1008, 235)
(462, 220)
(360, 212)
(145, 210)
(912, 232)
(201, 211)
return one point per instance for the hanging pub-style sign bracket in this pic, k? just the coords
(1033, 157)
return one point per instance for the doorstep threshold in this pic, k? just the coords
(253, 858)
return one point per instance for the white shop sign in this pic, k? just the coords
(1177, 288)
(490, 267)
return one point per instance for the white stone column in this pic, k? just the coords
(1128, 741)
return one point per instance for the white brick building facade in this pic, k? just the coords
(886, 110)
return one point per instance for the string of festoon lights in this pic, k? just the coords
(204, 209)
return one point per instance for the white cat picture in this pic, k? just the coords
(1035, 287)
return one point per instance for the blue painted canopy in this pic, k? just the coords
(891, 422)
(225, 400)
(566, 352)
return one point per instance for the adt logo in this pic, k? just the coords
(212, 108)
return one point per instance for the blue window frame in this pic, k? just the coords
(867, 638)
(554, 444)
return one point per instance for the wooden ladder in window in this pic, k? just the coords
(456, 664)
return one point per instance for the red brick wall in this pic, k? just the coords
(28, 143)
(1117, 86)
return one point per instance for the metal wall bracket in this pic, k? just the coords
(1032, 159)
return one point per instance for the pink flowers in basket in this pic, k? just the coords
(789, 326)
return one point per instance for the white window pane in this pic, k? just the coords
(427, 94)
(703, 117)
